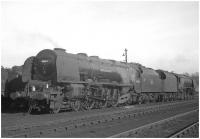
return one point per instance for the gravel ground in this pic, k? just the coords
(114, 127)
(169, 128)
(100, 130)
(19, 119)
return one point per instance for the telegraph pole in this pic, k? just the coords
(125, 54)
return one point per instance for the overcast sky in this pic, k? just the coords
(160, 35)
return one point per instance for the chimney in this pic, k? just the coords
(60, 49)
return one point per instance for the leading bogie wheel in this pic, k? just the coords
(30, 109)
(57, 107)
(32, 105)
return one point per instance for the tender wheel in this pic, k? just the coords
(30, 109)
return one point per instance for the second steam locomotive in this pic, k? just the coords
(57, 80)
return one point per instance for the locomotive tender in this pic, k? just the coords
(59, 80)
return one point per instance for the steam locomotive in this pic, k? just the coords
(57, 80)
(12, 89)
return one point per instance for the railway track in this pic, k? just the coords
(153, 127)
(188, 132)
(23, 119)
(70, 125)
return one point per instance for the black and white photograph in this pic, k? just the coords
(99, 69)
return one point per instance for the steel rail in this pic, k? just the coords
(188, 129)
(151, 125)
